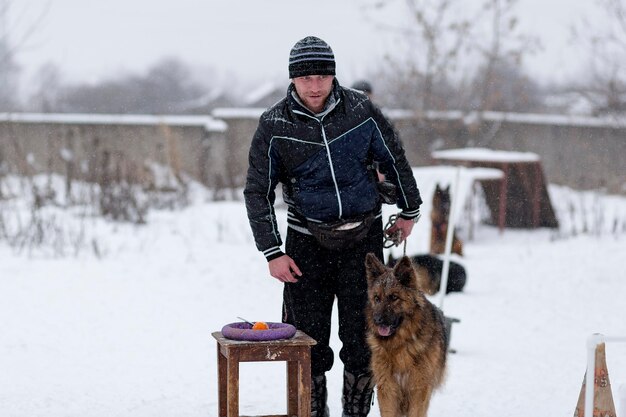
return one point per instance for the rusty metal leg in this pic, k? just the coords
(292, 388)
(504, 187)
(233, 384)
(221, 383)
(537, 184)
(304, 383)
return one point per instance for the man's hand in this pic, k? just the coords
(404, 226)
(284, 269)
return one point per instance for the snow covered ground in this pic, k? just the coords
(129, 334)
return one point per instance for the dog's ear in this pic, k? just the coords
(373, 266)
(405, 272)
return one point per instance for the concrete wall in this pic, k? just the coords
(242, 124)
(38, 143)
(580, 152)
(583, 157)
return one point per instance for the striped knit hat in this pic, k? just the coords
(311, 56)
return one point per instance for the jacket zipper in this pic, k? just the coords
(332, 170)
(330, 160)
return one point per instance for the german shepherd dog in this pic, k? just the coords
(439, 216)
(429, 269)
(407, 338)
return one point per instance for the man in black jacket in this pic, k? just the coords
(321, 143)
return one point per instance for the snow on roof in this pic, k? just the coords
(411, 114)
(485, 155)
(528, 118)
(208, 122)
(264, 90)
(465, 117)
(557, 119)
(238, 112)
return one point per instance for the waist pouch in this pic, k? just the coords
(341, 234)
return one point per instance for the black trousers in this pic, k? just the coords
(327, 274)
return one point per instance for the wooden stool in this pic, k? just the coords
(295, 351)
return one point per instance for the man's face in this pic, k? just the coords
(313, 90)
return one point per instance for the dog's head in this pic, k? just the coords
(441, 205)
(391, 294)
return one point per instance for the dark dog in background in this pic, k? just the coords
(429, 269)
(439, 216)
(407, 337)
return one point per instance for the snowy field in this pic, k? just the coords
(129, 333)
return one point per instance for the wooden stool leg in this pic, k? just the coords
(292, 388)
(233, 384)
(222, 386)
(304, 385)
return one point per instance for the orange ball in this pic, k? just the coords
(260, 325)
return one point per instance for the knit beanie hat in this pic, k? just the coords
(311, 56)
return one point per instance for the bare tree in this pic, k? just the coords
(460, 57)
(435, 35)
(502, 58)
(506, 89)
(605, 85)
(8, 67)
(15, 33)
(48, 90)
(161, 90)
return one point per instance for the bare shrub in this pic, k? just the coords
(50, 214)
(126, 190)
(593, 213)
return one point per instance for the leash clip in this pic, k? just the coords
(394, 239)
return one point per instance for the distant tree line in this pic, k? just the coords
(168, 87)
(460, 59)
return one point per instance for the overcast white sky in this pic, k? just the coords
(95, 39)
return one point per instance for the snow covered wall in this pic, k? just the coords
(576, 151)
(80, 144)
(579, 152)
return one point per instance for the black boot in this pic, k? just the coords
(357, 393)
(319, 397)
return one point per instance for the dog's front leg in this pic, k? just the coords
(389, 399)
(419, 400)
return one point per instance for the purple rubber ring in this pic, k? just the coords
(243, 331)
